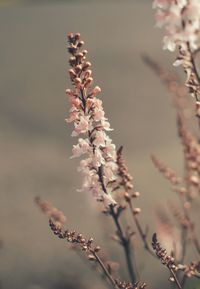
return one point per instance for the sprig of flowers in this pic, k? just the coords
(181, 21)
(91, 126)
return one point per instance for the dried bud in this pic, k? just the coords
(127, 197)
(198, 108)
(90, 240)
(77, 36)
(72, 74)
(171, 279)
(79, 55)
(80, 44)
(72, 61)
(78, 82)
(84, 52)
(88, 73)
(96, 90)
(136, 211)
(70, 36)
(78, 68)
(68, 92)
(135, 194)
(88, 82)
(87, 65)
(97, 249)
(194, 180)
(91, 258)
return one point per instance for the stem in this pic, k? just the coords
(105, 270)
(184, 244)
(79, 253)
(175, 279)
(140, 230)
(124, 241)
(125, 244)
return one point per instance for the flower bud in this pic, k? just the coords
(80, 44)
(87, 65)
(97, 249)
(136, 211)
(88, 82)
(78, 82)
(127, 197)
(96, 90)
(77, 36)
(135, 195)
(91, 257)
(72, 74)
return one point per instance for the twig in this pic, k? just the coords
(140, 230)
(104, 269)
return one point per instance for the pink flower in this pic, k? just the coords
(98, 114)
(106, 125)
(72, 116)
(81, 148)
(98, 158)
(82, 126)
(100, 138)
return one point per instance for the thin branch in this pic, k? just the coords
(104, 269)
(140, 230)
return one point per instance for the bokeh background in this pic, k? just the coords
(35, 143)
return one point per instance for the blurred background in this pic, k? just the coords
(35, 143)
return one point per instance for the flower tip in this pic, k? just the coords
(178, 62)
(96, 90)
(68, 91)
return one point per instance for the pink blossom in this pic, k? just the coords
(81, 148)
(181, 21)
(98, 114)
(106, 125)
(82, 126)
(96, 90)
(72, 116)
(100, 138)
(98, 158)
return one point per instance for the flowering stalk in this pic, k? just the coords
(181, 21)
(99, 168)
(87, 114)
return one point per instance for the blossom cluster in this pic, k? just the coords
(181, 19)
(90, 125)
